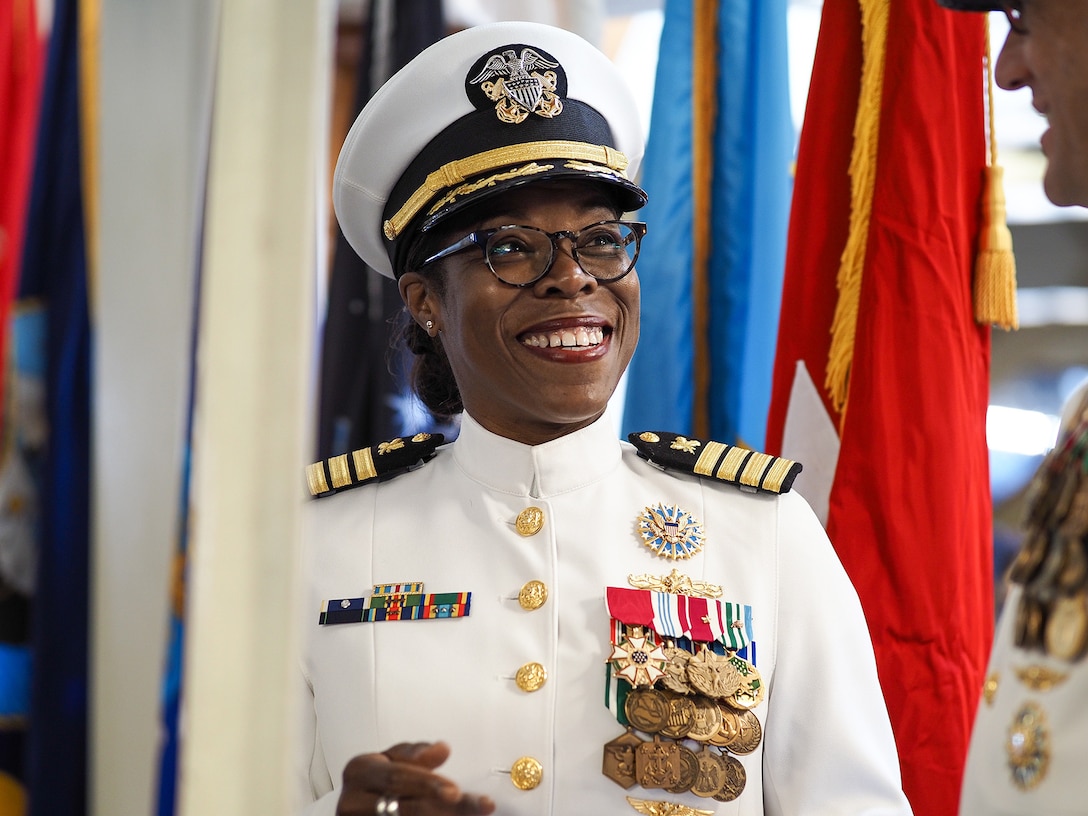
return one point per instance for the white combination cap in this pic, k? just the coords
(477, 113)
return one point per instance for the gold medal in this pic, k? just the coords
(681, 716)
(749, 733)
(707, 720)
(729, 728)
(647, 710)
(657, 764)
(619, 759)
(1067, 627)
(676, 671)
(714, 675)
(734, 782)
(711, 774)
(751, 693)
(1028, 747)
(689, 770)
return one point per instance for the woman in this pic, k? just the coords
(584, 631)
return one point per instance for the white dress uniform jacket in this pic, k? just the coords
(1048, 745)
(827, 747)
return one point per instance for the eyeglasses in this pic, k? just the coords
(520, 256)
(1014, 10)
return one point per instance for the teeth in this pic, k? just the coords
(567, 338)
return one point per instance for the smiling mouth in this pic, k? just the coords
(579, 337)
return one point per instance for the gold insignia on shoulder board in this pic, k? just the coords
(391, 445)
(682, 443)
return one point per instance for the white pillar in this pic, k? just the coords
(253, 386)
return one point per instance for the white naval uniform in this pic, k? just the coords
(988, 788)
(827, 747)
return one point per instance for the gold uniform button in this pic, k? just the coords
(533, 595)
(529, 521)
(527, 773)
(531, 677)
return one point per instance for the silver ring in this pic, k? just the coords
(387, 807)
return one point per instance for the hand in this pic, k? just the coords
(404, 773)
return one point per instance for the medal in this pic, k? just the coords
(689, 771)
(1067, 627)
(711, 774)
(638, 660)
(749, 733)
(734, 781)
(707, 720)
(619, 759)
(714, 675)
(657, 764)
(1028, 747)
(681, 716)
(647, 710)
(676, 670)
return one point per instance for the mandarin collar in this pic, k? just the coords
(538, 471)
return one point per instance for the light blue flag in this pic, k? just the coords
(753, 145)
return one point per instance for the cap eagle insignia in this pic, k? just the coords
(521, 85)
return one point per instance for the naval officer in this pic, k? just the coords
(539, 618)
(1031, 731)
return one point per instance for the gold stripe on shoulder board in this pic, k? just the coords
(747, 469)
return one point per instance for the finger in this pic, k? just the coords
(378, 774)
(426, 754)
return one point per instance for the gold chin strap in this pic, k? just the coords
(456, 172)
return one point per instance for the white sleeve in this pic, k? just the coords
(313, 783)
(829, 747)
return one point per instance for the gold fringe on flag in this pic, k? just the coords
(704, 80)
(995, 265)
(874, 36)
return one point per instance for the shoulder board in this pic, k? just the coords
(749, 470)
(374, 464)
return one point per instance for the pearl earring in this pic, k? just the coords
(430, 325)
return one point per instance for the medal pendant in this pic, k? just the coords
(657, 764)
(1028, 747)
(751, 692)
(619, 759)
(729, 728)
(707, 720)
(714, 675)
(749, 733)
(676, 671)
(681, 716)
(735, 780)
(647, 710)
(1067, 627)
(712, 774)
(689, 770)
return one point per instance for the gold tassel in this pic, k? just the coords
(840, 354)
(995, 265)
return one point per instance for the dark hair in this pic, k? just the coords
(429, 374)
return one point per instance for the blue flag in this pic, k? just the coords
(718, 166)
(54, 274)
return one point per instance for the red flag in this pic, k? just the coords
(22, 55)
(909, 503)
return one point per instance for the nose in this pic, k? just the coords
(565, 277)
(1011, 71)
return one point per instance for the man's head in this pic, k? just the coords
(1047, 51)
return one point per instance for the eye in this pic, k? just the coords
(511, 246)
(602, 237)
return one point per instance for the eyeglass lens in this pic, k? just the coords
(522, 255)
